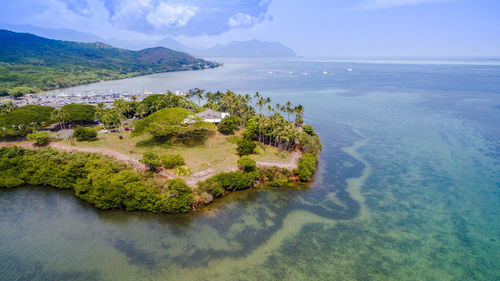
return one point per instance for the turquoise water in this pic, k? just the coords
(408, 188)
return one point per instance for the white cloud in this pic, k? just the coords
(382, 4)
(241, 19)
(168, 15)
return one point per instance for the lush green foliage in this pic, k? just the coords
(307, 166)
(277, 182)
(245, 147)
(273, 173)
(182, 171)
(228, 125)
(228, 181)
(310, 144)
(171, 161)
(171, 123)
(247, 164)
(20, 91)
(85, 133)
(211, 186)
(151, 160)
(237, 105)
(79, 112)
(23, 120)
(156, 102)
(101, 181)
(37, 63)
(39, 137)
(308, 129)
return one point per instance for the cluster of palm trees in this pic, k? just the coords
(274, 129)
(235, 104)
(271, 127)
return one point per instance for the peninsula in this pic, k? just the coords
(166, 153)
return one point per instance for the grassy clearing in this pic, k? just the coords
(269, 153)
(217, 152)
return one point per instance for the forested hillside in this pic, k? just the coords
(29, 63)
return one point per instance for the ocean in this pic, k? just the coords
(407, 188)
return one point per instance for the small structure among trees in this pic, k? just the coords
(212, 116)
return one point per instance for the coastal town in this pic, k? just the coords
(58, 100)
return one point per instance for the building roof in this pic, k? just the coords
(209, 114)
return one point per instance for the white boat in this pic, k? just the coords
(325, 73)
(349, 69)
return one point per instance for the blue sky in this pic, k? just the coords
(311, 28)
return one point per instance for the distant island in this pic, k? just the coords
(253, 48)
(29, 63)
(165, 153)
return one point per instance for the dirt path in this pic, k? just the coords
(205, 174)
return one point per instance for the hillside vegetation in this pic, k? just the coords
(29, 63)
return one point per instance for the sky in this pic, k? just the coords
(311, 28)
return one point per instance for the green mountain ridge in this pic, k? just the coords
(29, 63)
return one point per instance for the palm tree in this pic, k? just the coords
(60, 117)
(268, 101)
(288, 109)
(199, 95)
(141, 110)
(260, 104)
(99, 111)
(299, 112)
(122, 107)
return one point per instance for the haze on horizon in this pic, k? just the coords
(313, 28)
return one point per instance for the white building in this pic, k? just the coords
(212, 116)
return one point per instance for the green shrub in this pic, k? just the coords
(236, 180)
(171, 161)
(211, 186)
(308, 129)
(310, 144)
(182, 171)
(151, 160)
(247, 164)
(307, 166)
(178, 199)
(85, 133)
(228, 181)
(39, 137)
(277, 182)
(228, 125)
(245, 147)
(21, 91)
(272, 173)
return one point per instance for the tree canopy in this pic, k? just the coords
(168, 123)
(79, 112)
(22, 120)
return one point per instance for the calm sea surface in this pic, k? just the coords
(408, 187)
